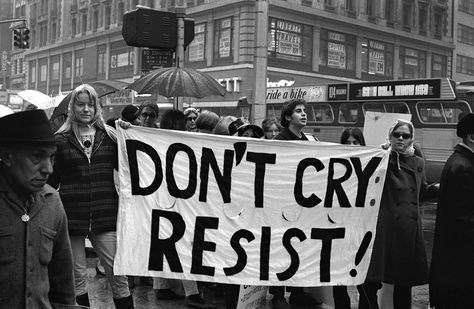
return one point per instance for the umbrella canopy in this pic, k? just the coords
(37, 98)
(102, 87)
(178, 82)
(5, 110)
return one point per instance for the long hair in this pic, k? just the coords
(354, 132)
(72, 122)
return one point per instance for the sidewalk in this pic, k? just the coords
(144, 297)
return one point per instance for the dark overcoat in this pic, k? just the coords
(87, 186)
(452, 264)
(399, 255)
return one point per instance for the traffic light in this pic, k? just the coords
(25, 38)
(144, 27)
(21, 38)
(17, 38)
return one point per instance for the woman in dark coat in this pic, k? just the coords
(399, 255)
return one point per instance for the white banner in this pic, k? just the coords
(246, 211)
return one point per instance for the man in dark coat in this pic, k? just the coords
(452, 265)
(36, 267)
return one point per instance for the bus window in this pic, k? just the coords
(397, 107)
(430, 112)
(453, 110)
(273, 112)
(373, 107)
(320, 113)
(348, 113)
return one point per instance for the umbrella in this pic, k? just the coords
(5, 110)
(37, 98)
(103, 87)
(178, 82)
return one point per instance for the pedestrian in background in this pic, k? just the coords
(191, 115)
(222, 127)
(36, 266)
(452, 268)
(352, 136)
(206, 121)
(148, 113)
(176, 120)
(399, 255)
(130, 114)
(293, 119)
(271, 127)
(84, 173)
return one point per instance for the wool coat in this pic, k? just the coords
(399, 255)
(452, 264)
(36, 267)
(87, 186)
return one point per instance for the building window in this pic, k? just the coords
(73, 27)
(423, 19)
(15, 67)
(120, 13)
(350, 5)
(407, 14)
(377, 58)
(465, 34)
(55, 70)
(84, 24)
(95, 20)
(101, 57)
(197, 48)
(412, 63)
(466, 6)
(290, 41)
(370, 9)
(79, 67)
(32, 72)
(20, 66)
(121, 58)
(337, 50)
(223, 42)
(439, 64)
(439, 22)
(43, 72)
(107, 17)
(464, 65)
(67, 65)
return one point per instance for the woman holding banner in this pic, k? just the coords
(399, 255)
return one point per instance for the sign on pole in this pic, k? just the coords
(153, 59)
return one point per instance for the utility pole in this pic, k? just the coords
(260, 62)
(180, 11)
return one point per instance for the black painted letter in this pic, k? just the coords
(132, 147)
(312, 200)
(326, 235)
(223, 180)
(192, 184)
(260, 160)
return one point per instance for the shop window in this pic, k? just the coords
(412, 63)
(197, 48)
(32, 72)
(348, 113)
(101, 59)
(223, 42)
(337, 50)
(290, 41)
(79, 66)
(67, 65)
(377, 58)
(438, 65)
(55, 70)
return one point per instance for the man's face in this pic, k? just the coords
(298, 118)
(29, 166)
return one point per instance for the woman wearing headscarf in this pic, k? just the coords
(399, 255)
(83, 171)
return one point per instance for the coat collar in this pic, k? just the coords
(464, 150)
(99, 137)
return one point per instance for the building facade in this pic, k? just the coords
(308, 42)
(464, 35)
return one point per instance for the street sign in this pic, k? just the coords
(153, 59)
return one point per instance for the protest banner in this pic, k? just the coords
(246, 211)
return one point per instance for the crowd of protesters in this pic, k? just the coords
(58, 188)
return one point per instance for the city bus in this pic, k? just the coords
(433, 104)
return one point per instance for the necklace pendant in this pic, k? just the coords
(25, 218)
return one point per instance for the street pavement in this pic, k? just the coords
(144, 296)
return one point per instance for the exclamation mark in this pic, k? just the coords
(360, 253)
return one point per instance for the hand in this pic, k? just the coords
(123, 124)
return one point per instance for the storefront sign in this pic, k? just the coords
(400, 89)
(309, 94)
(231, 84)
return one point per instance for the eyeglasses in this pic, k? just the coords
(145, 115)
(404, 135)
(192, 118)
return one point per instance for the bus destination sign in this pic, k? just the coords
(337, 92)
(396, 90)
